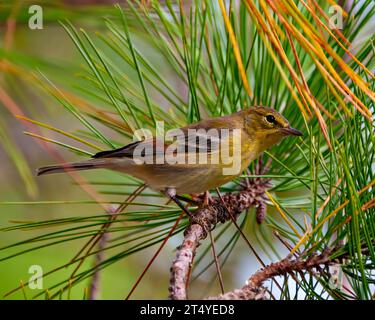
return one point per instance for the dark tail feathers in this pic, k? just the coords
(84, 165)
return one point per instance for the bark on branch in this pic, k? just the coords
(206, 219)
(253, 289)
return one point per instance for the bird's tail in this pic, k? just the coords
(75, 166)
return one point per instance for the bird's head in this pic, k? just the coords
(267, 127)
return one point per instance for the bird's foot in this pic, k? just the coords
(205, 199)
(171, 193)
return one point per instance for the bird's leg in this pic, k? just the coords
(187, 200)
(207, 198)
(197, 197)
(171, 194)
(202, 198)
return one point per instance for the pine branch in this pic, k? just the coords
(94, 290)
(253, 289)
(206, 218)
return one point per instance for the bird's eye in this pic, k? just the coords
(271, 119)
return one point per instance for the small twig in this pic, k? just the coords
(254, 290)
(205, 219)
(112, 216)
(284, 242)
(239, 229)
(94, 290)
(155, 255)
(216, 263)
(101, 238)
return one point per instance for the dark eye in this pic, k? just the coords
(271, 119)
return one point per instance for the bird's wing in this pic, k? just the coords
(196, 140)
(126, 151)
(182, 140)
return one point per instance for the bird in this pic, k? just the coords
(197, 159)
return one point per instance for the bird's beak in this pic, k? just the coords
(291, 131)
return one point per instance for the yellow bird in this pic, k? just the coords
(199, 157)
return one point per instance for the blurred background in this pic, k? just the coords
(51, 52)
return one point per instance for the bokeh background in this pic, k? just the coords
(52, 52)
